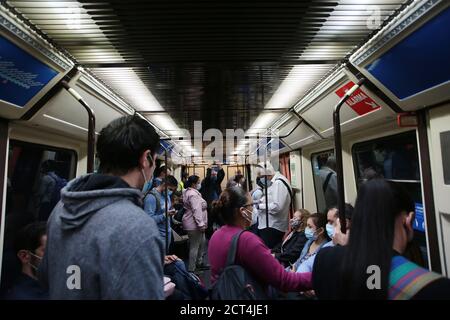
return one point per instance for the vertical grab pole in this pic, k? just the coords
(166, 204)
(91, 126)
(338, 152)
(265, 189)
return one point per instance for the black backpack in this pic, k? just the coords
(235, 283)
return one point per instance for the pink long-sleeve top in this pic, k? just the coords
(195, 217)
(256, 258)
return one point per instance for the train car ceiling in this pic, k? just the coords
(228, 64)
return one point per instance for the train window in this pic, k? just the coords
(395, 158)
(445, 149)
(325, 184)
(36, 174)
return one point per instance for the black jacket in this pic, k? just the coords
(289, 251)
(209, 186)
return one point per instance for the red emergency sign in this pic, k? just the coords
(358, 101)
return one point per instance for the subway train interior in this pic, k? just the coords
(358, 87)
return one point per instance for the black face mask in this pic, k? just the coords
(259, 183)
(177, 206)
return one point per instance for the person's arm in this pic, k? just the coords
(278, 196)
(142, 275)
(220, 176)
(150, 208)
(257, 259)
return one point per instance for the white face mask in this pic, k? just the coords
(198, 186)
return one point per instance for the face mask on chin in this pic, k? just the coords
(147, 183)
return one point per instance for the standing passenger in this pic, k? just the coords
(101, 244)
(279, 200)
(328, 178)
(155, 206)
(195, 221)
(211, 190)
(161, 173)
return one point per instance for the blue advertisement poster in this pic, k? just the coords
(21, 75)
(419, 222)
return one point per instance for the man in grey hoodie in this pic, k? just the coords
(101, 244)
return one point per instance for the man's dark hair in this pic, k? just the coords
(170, 181)
(160, 170)
(122, 142)
(29, 237)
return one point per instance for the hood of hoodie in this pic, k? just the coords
(84, 196)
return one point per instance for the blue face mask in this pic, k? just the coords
(264, 181)
(309, 234)
(147, 186)
(330, 230)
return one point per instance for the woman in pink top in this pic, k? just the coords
(195, 221)
(235, 207)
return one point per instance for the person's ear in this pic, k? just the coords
(409, 219)
(24, 256)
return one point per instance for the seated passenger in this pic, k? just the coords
(101, 244)
(30, 247)
(316, 234)
(187, 285)
(334, 225)
(291, 247)
(235, 207)
(155, 206)
(381, 229)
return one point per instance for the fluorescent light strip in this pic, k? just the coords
(67, 123)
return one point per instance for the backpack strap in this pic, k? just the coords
(327, 181)
(231, 257)
(406, 279)
(157, 199)
(290, 193)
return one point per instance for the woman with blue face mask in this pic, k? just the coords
(315, 232)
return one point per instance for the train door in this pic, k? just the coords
(439, 140)
(396, 158)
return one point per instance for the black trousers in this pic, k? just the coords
(271, 237)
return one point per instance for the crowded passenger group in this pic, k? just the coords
(114, 234)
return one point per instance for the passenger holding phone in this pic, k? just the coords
(155, 205)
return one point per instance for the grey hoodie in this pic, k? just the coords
(101, 244)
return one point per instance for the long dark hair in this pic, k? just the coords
(378, 204)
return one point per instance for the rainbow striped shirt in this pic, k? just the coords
(407, 278)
